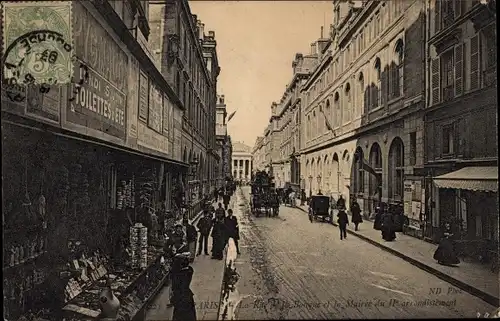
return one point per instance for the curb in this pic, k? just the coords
(488, 298)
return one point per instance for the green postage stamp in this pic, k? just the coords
(37, 42)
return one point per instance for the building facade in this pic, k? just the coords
(241, 160)
(285, 124)
(461, 149)
(224, 146)
(258, 155)
(190, 65)
(363, 105)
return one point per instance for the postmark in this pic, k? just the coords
(38, 43)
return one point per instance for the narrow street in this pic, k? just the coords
(293, 269)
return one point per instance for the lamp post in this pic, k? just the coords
(310, 185)
(319, 183)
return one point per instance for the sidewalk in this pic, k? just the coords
(206, 286)
(474, 278)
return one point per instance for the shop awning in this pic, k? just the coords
(480, 178)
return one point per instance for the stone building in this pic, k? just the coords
(461, 119)
(363, 105)
(241, 162)
(223, 142)
(190, 65)
(285, 124)
(258, 155)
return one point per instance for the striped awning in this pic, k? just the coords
(474, 178)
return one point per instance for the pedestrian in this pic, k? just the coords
(377, 224)
(218, 238)
(183, 297)
(220, 212)
(340, 203)
(388, 233)
(175, 244)
(302, 197)
(191, 237)
(343, 221)
(232, 229)
(204, 226)
(216, 195)
(225, 199)
(356, 214)
(445, 253)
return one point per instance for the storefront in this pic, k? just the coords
(468, 200)
(69, 206)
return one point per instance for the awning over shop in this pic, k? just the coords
(484, 179)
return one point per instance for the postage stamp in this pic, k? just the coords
(38, 42)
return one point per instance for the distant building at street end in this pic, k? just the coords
(242, 162)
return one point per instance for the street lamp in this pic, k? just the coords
(310, 185)
(319, 183)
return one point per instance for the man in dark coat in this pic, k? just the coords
(343, 221)
(204, 226)
(220, 212)
(340, 203)
(356, 214)
(191, 237)
(388, 233)
(377, 224)
(216, 195)
(225, 199)
(218, 238)
(232, 229)
(182, 296)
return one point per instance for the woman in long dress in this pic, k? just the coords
(182, 298)
(445, 253)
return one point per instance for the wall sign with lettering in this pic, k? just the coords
(155, 110)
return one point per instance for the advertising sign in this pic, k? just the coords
(133, 95)
(155, 109)
(100, 103)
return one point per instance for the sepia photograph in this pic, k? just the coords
(220, 160)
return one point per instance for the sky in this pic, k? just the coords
(256, 44)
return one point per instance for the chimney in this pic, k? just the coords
(202, 31)
(321, 32)
(313, 48)
(211, 34)
(222, 98)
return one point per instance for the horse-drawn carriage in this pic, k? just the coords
(263, 198)
(319, 208)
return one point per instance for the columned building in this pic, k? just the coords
(363, 105)
(461, 146)
(241, 162)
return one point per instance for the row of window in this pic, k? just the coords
(386, 14)
(365, 98)
(395, 167)
(465, 67)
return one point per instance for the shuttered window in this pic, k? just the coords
(474, 63)
(436, 92)
(448, 75)
(459, 70)
(437, 16)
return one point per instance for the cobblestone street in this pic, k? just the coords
(293, 269)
